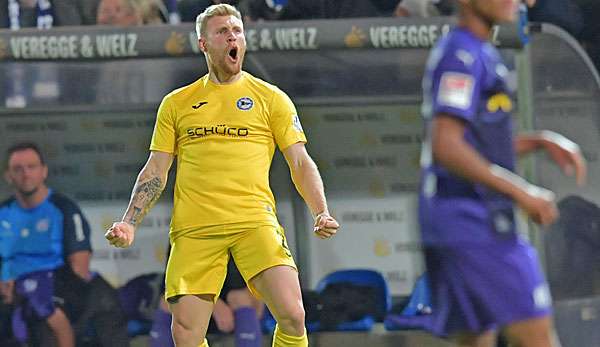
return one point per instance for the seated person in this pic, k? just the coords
(31, 235)
(46, 258)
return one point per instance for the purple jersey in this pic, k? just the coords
(466, 79)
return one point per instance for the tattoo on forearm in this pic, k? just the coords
(144, 196)
(135, 218)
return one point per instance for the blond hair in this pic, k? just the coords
(152, 11)
(213, 11)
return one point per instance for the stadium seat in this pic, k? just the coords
(137, 327)
(359, 277)
(415, 314)
(267, 322)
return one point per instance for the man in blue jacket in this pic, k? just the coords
(32, 239)
(45, 254)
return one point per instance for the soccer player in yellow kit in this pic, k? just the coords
(223, 128)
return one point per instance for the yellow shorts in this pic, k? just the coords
(198, 260)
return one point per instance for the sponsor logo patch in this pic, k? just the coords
(499, 101)
(456, 90)
(42, 225)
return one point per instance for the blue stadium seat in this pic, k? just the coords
(415, 314)
(360, 277)
(267, 322)
(137, 327)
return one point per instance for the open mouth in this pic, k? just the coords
(233, 53)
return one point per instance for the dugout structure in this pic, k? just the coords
(89, 95)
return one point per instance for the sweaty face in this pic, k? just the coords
(26, 172)
(494, 11)
(225, 44)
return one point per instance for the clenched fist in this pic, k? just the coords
(325, 226)
(120, 234)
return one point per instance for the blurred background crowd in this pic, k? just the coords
(575, 16)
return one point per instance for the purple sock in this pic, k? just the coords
(19, 326)
(160, 334)
(247, 328)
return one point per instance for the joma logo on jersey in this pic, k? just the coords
(200, 104)
(220, 130)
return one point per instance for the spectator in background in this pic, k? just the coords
(20, 87)
(118, 85)
(46, 253)
(31, 239)
(45, 14)
(118, 12)
(131, 12)
(16, 14)
(424, 8)
(173, 16)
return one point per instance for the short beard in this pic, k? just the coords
(28, 193)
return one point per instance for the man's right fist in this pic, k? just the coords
(120, 234)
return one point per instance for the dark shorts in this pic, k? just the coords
(35, 294)
(73, 293)
(479, 288)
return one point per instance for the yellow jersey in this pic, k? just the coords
(224, 137)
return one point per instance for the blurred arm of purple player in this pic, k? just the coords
(563, 151)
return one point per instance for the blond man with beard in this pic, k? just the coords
(224, 129)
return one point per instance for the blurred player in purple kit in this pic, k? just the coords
(484, 277)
